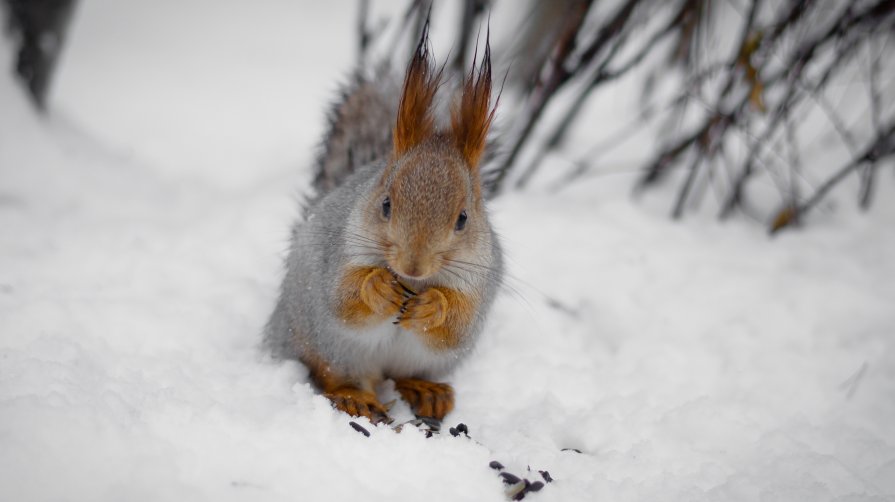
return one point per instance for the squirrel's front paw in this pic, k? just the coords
(424, 311)
(382, 292)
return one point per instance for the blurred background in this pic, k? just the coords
(765, 107)
(651, 341)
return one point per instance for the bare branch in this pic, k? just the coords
(868, 174)
(543, 93)
(472, 9)
(882, 148)
(601, 75)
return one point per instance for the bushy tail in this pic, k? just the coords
(360, 128)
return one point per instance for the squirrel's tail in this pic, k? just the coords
(360, 128)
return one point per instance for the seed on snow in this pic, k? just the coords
(510, 479)
(356, 426)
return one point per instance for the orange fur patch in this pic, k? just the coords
(368, 294)
(344, 394)
(440, 316)
(321, 373)
(350, 307)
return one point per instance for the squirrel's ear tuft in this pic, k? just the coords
(471, 116)
(415, 121)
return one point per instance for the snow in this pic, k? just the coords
(143, 225)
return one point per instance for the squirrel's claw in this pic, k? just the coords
(424, 311)
(430, 401)
(359, 403)
(382, 292)
(408, 293)
(402, 312)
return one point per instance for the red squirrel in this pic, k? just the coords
(394, 267)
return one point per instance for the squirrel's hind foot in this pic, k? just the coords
(358, 403)
(426, 399)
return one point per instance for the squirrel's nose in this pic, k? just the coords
(414, 268)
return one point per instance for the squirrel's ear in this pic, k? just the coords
(415, 121)
(471, 116)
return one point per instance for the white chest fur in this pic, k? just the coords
(393, 352)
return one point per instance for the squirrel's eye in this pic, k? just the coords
(461, 221)
(386, 207)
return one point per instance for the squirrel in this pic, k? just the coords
(394, 267)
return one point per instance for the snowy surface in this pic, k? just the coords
(142, 226)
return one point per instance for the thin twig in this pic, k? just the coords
(882, 148)
(601, 75)
(559, 74)
(869, 172)
(665, 158)
(472, 9)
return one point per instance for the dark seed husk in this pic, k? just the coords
(496, 465)
(546, 476)
(535, 487)
(462, 428)
(576, 450)
(356, 426)
(510, 479)
(454, 432)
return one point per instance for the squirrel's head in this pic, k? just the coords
(428, 204)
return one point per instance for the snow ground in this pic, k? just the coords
(144, 221)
